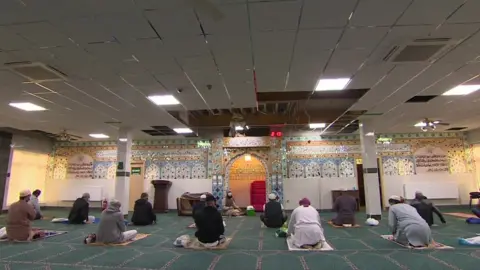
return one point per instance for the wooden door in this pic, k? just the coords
(361, 184)
(136, 183)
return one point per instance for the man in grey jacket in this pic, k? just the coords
(112, 228)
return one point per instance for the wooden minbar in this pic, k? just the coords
(353, 193)
(160, 199)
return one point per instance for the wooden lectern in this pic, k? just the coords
(160, 199)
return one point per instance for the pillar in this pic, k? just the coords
(370, 170)
(122, 179)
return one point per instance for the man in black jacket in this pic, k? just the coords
(143, 212)
(425, 208)
(209, 223)
(79, 212)
(273, 216)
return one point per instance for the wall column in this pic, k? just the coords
(6, 155)
(370, 170)
(122, 179)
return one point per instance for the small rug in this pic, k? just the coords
(48, 234)
(192, 226)
(139, 236)
(194, 244)
(434, 245)
(319, 247)
(461, 215)
(344, 226)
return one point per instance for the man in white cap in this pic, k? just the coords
(20, 215)
(79, 212)
(408, 227)
(199, 205)
(273, 215)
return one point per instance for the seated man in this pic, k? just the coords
(231, 208)
(209, 223)
(425, 208)
(273, 215)
(112, 228)
(305, 226)
(408, 227)
(20, 215)
(345, 206)
(79, 212)
(200, 205)
(143, 212)
(36, 204)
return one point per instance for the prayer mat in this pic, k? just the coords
(461, 215)
(434, 245)
(139, 236)
(291, 247)
(195, 244)
(47, 234)
(343, 226)
(192, 226)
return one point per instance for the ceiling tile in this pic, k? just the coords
(275, 15)
(421, 12)
(326, 13)
(378, 12)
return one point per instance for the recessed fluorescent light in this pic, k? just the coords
(182, 130)
(123, 139)
(370, 134)
(332, 84)
(238, 128)
(27, 106)
(462, 90)
(317, 125)
(421, 124)
(164, 100)
(98, 136)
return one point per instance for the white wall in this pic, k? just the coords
(393, 185)
(317, 190)
(75, 187)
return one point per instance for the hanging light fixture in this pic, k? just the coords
(248, 157)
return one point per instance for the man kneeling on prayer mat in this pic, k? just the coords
(345, 206)
(231, 208)
(305, 227)
(273, 215)
(19, 219)
(209, 223)
(425, 208)
(79, 212)
(143, 212)
(408, 227)
(112, 228)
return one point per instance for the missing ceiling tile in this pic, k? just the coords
(421, 99)
(456, 128)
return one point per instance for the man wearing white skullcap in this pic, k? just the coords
(199, 205)
(273, 216)
(20, 215)
(408, 227)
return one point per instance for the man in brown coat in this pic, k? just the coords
(20, 216)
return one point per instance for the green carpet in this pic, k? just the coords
(251, 248)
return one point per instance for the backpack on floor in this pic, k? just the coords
(91, 238)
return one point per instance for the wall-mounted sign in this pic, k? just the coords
(203, 144)
(431, 159)
(80, 166)
(136, 171)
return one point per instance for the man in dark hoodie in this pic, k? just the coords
(209, 223)
(79, 212)
(425, 208)
(143, 212)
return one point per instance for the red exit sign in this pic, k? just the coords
(276, 134)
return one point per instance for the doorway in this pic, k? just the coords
(136, 183)
(245, 170)
(361, 183)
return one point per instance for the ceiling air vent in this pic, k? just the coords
(36, 72)
(420, 50)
